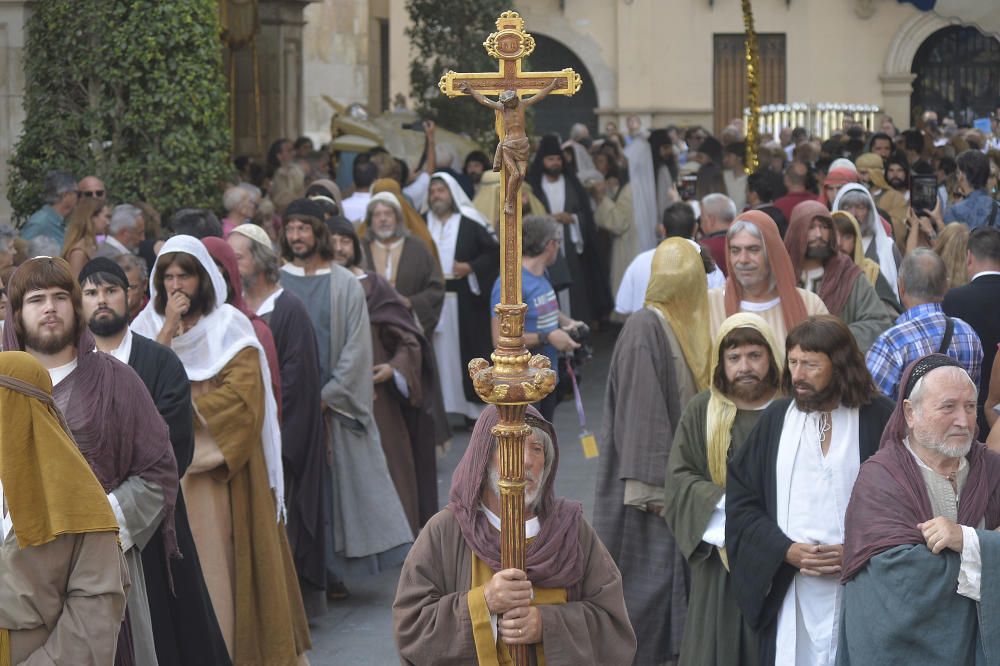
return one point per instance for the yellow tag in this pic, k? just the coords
(589, 444)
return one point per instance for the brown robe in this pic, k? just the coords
(431, 618)
(243, 548)
(401, 350)
(61, 600)
(418, 277)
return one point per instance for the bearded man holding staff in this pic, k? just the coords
(567, 606)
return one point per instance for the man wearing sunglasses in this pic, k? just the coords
(91, 187)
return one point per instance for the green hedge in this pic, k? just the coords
(130, 90)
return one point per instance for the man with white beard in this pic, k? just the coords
(469, 262)
(921, 551)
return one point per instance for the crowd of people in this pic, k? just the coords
(262, 392)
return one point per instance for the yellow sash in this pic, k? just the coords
(492, 652)
(4, 647)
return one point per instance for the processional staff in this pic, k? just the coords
(517, 378)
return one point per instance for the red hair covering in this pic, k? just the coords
(839, 271)
(224, 255)
(890, 496)
(793, 309)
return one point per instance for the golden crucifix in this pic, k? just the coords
(517, 378)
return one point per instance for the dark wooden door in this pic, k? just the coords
(730, 80)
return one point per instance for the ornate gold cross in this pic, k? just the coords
(517, 378)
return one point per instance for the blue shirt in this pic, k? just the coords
(44, 222)
(974, 210)
(543, 308)
(919, 331)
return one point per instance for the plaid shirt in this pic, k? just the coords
(919, 331)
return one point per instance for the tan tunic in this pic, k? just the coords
(773, 316)
(63, 601)
(243, 548)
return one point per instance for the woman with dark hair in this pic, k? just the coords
(281, 152)
(664, 169)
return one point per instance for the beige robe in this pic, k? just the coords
(717, 312)
(433, 625)
(63, 601)
(243, 549)
(616, 217)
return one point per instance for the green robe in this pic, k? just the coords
(715, 632)
(903, 609)
(865, 314)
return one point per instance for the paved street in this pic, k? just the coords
(358, 631)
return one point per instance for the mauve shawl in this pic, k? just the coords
(554, 558)
(224, 254)
(793, 309)
(839, 271)
(890, 497)
(116, 426)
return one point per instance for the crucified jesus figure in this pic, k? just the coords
(513, 149)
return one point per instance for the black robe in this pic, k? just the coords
(185, 630)
(586, 275)
(755, 544)
(303, 441)
(476, 247)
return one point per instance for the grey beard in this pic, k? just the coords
(386, 236)
(531, 498)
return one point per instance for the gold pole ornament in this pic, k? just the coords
(517, 378)
(753, 88)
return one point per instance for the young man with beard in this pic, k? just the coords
(895, 200)
(367, 525)
(469, 263)
(822, 269)
(234, 484)
(454, 601)
(746, 371)
(787, 489)
(114, 422)
(921, 553)
(184, 625)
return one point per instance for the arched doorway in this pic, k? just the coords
(558, 112)
(957, 73)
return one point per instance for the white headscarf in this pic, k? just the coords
(883, 244)
(461, 199)
(640, 175)
(210, 344)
